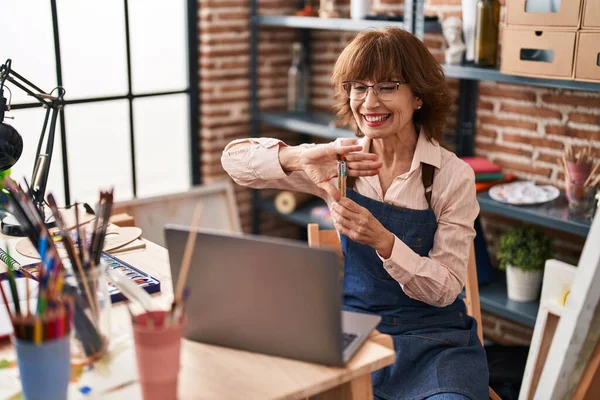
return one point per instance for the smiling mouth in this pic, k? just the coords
(377, 118)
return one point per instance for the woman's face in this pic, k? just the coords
(379, 118)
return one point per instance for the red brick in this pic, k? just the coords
(531, 111)
(584, 118)
(432, 44)
(591, 102)
(534, 141)
(503, 149)
(215, 113)
(485, 105)
(216, 40)
(532, 126)
(549, 158)
(507, 93)
(229, 16)
(524, 167)
(488, 133)
(222, 3)
(572, 132)
(223, 29)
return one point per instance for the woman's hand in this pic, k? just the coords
(360, 225)
(319, 163)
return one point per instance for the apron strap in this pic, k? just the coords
(427, 177)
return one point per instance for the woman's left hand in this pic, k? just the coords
(360, 225)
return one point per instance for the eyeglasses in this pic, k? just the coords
(383, 90)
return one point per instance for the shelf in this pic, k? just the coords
(494, 299)
(492, 74)
(554, 214)
(301, 217)
(337, 24)
(312, 123)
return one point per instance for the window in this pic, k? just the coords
(130, 118)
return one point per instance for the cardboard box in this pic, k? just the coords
(591, 14)
(528, 52)
(587, 57)
(567, 13)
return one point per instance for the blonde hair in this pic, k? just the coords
(392, 53)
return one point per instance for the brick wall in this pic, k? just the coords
(521, 128)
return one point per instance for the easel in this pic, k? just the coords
(563, 332)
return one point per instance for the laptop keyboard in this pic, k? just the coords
(347, 339)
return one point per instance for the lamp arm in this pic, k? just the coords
(53, 105)
(45, 171)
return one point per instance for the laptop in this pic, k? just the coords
(267, 295)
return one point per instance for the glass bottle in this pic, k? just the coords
(486, 32)
(298, 80)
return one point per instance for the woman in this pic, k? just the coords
(406, 226)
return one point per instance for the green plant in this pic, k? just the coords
(525, 248)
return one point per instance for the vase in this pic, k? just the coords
(523, 286)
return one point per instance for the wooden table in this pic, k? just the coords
(213, 372)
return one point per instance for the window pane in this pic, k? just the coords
(99, 150)
(161, 126)
(27, 39)
(29, 123)
(92, 46)
(158, 45)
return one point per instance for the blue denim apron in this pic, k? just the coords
(437, 348)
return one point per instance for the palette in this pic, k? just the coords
(149, 283)
(142, 279)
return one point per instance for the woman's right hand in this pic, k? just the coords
(319, 162)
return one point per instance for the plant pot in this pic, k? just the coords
(523, 286)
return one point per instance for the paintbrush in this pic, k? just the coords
(188, 252)
(132, 291)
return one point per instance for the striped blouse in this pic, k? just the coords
(436, 279)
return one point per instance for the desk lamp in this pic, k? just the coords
(11, 143)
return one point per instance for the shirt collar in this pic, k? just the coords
(426, 151)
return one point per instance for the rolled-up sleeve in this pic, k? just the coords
(254, 162)
(438, 278)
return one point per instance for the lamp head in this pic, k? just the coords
(11, 146)
(11, 143)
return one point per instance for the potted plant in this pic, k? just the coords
(523, 253)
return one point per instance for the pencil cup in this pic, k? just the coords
(45, 369)
(92, 316)
(157, 349)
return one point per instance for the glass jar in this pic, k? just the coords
(91, 322)
(298, 80)
(581, 198)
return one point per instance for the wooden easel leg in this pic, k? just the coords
(357, 389)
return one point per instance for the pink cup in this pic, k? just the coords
(579, 172)
(157, 349)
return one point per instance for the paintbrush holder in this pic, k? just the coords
(92, 315)
(579, 172)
